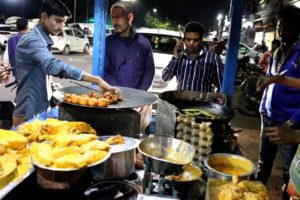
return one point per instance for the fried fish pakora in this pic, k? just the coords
(42, 153)
(74, 140)
(94, 156)
(12, 139)
(8, 166)
(118, 139)
(73, 161)
(70, 151)
(95, 145)
(50, 128)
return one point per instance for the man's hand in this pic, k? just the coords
(178, 48)
(104, 86)
(283, 134)
(4, 73)
(264, 81)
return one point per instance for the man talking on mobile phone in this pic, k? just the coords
(195, 68)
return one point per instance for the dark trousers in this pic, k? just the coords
(268, 151)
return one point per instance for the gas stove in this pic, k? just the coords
(158, 187)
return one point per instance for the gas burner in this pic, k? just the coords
(109, 190)
(132, 177)
(157, 187)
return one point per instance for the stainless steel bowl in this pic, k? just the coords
(61, 178)
(120, 164)
(166, 156)
(228, 160)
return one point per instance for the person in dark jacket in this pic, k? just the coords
(22, 26)
(128, 55)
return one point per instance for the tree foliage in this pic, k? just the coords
(154, 22)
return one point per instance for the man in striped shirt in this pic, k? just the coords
(195, 68)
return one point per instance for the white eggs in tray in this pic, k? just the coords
(197, 134)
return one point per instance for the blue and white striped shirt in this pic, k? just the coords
(201, 74)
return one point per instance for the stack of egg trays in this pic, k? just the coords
(197, 134)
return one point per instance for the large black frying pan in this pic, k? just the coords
(225, 113)
(132, 98)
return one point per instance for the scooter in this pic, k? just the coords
(249, 99)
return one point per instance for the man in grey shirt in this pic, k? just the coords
(34, 62)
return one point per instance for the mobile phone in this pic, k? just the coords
(180, 48)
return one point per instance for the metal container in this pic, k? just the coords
(120, 164)
(61, 178)
(228, 160)
(166, 156)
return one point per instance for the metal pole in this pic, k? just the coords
(74, 11)
(232, 51)
(87, 10)
(100, 15)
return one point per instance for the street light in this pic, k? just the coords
(220, 26)
(219, 17)
(154, 10)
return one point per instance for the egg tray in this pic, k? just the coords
(197, 134)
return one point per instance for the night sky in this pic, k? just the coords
(180, 11)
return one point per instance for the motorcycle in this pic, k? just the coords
(249, 99)
(6, 110)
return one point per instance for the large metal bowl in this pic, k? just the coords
(120, 164)
(61, 178)
(166, 156)
(229, 161)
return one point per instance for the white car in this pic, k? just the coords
(163, 43)
(70, 39)
(6, 31)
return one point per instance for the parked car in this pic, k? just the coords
(70, 39)
(6, 31)
(86, 28)
(163, 43)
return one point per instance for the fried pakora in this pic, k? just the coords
(114, 140)
(92, 99)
